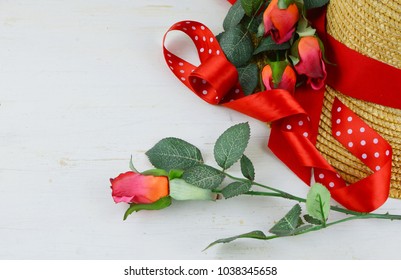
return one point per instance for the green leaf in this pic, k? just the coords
(203, 176)
(287, 225)
(318, 202)
(252, 23)
(257, 234)
(301, 229)
(311, 220)
(310, 4)
(247, 168)
(231, 145)
(251, 6)
(267, 44)
(155, 172)
(237, 46)
(158, 205)
(300, 222)
(235, 189)
(173, 153)
(248, 77)
(234, 16)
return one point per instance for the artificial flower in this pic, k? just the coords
(131, 187)
(311, 61)
(282, 77)
(280, 23)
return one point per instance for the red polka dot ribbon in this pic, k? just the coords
(295, 121)
(212, 80)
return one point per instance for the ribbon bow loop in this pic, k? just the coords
(213, 79)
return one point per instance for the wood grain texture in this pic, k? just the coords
(83, 86)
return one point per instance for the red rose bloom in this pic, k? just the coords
(132, 187)
(310, 62)
(280, 23)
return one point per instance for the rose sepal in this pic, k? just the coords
(155, 172)
(162, 203)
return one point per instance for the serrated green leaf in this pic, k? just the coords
(311, 220)
(230, 146)
(158, 205)
(173, 153)
(267, 44)
(218, 36)
(203, 176)
(310, 4)
(235, 189)
(302, 229)
(250, 6)
(300, 222)
(247, 169)
(234, 16)
(237, 46)
(287, 225)
(257, 234)
(318, 202)
(248, 78)
(252, 23)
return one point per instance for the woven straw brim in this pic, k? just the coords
(372, 28)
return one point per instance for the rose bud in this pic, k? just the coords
(279, 75)
(311, 61)
(280, 23)
(132, 187)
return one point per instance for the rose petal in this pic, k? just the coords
(267, 77)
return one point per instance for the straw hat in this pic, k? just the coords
(372, 28)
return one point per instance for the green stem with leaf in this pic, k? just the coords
(172, 153)
(279, 193)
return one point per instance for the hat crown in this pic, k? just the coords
(371, 27)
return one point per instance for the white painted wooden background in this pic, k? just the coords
(83, 86)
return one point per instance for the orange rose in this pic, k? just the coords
(280, 23)
(132, 187)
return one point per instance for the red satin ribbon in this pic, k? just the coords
(295, 121)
